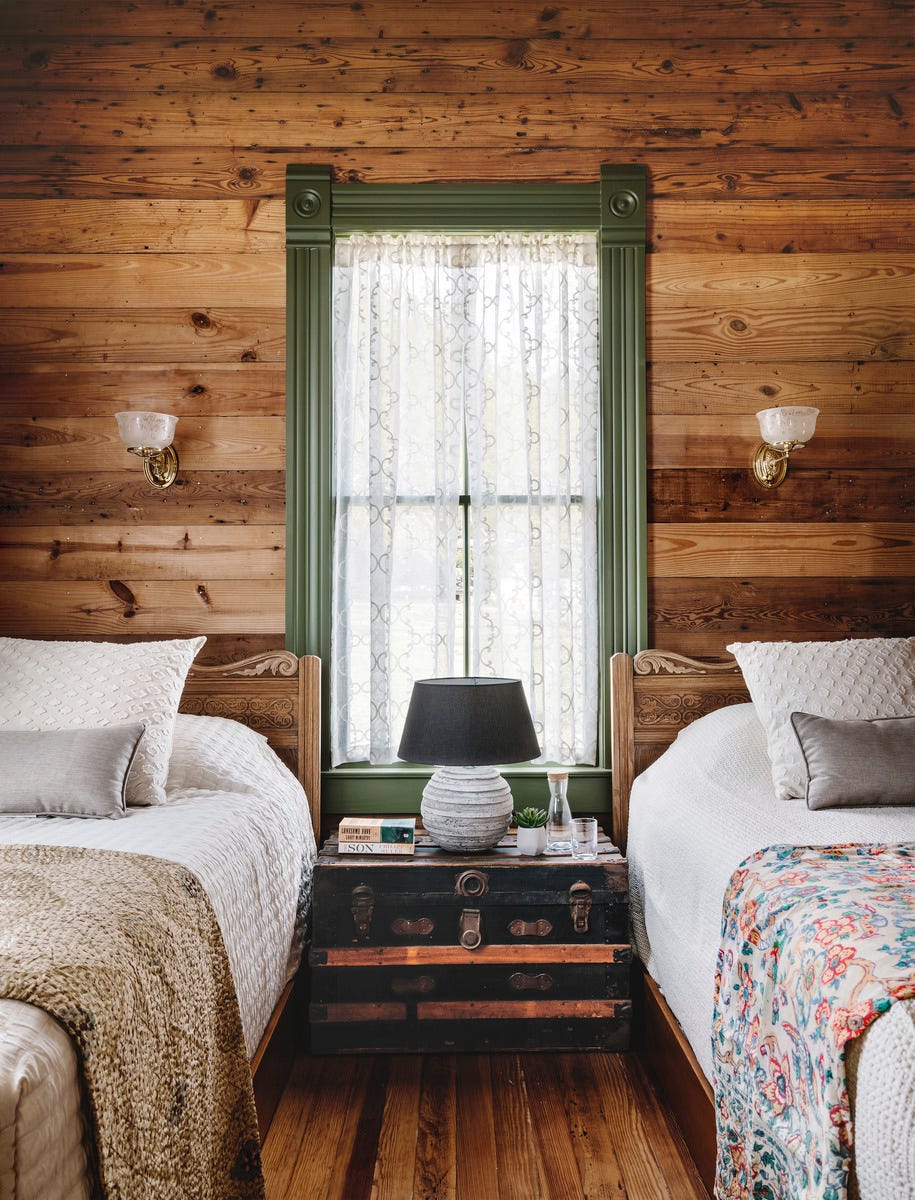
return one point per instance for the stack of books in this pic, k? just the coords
(377, 835)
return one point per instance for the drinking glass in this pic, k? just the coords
(584, 838)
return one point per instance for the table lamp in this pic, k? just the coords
(465, 727)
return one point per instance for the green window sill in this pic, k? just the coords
(399, 789)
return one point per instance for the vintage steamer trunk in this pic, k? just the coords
(490, 951)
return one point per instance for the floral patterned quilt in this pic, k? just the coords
(816, 943)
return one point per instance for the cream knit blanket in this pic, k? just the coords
(124, 951)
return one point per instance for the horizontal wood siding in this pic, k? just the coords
(142, 265)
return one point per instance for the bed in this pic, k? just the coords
(232, 807)
(687, 820)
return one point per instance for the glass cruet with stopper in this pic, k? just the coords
(559, 817)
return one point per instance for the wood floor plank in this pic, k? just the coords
(435, 1175)
(557, 1157)
(601, 1176)
(396, 1158)
(477, 1171)
(351, 1178)
(300, 1111)
(520, 1175)
(644, 1176)
(664, 1137)
(475, 1127)
(328, 1141)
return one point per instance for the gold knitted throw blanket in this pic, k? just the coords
(125, 953)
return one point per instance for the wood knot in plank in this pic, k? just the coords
(123, 593)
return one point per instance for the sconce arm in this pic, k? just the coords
(770, 462)
(159, 466)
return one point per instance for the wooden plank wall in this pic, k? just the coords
(142, 157)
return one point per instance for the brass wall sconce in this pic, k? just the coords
(149, 436)
(783, 430)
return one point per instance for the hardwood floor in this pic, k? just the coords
(584, 1126)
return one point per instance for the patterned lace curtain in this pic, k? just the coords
(465, 366)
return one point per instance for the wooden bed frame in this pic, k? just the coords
(279, 695)
(655, 695)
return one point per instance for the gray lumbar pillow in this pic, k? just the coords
(855, 764)
(67, 772)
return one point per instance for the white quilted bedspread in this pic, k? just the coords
(239, 820)
(695, 814)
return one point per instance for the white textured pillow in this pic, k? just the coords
(216, 754)
(858, 679)
(75, 685)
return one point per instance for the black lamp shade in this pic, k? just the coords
(468, 722)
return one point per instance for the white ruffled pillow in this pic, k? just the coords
(856, 679)
(79, 685)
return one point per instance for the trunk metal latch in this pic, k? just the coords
(470, 929)
(362, 906)
(580, 904)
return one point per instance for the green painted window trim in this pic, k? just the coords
(317, 210)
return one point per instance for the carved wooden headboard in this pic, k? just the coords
(653, 696)
(277, 694)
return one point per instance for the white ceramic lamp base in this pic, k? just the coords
(466, 808)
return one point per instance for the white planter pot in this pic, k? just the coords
(532, 841)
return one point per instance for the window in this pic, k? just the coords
(436, 569)
(466, 453)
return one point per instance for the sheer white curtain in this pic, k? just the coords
(465, 364)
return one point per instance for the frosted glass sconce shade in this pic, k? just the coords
(149, 435)
(779, 426)
(154, 430)
(783, 430)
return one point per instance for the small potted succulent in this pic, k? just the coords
(531, 824)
